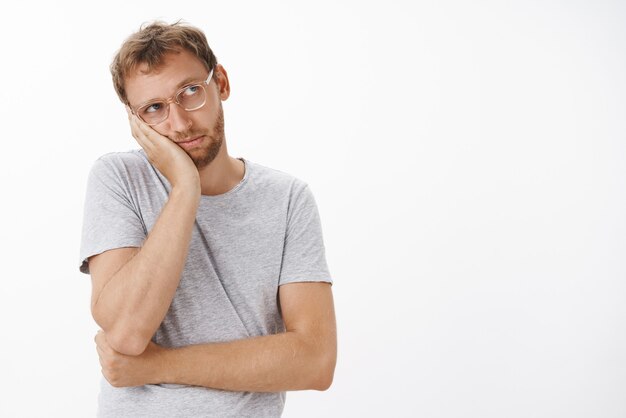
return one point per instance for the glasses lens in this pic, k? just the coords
(153, 113)
(192, 97)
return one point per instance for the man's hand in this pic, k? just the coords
(168, 157)
(121, 370)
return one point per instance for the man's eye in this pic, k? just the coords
(154, 107)
(191, 90)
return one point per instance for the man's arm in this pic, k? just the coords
(303, 357)
(134, 288)
(130, 304)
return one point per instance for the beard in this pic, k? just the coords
(202, 157)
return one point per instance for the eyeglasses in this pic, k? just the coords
(190, 97)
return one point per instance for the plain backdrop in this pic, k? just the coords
(467, 159)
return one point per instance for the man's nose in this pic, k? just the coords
(179, 118)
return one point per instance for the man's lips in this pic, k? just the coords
(188, 144)
(189, 140)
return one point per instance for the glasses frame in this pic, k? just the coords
(174, 99)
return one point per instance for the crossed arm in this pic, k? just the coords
(133, 289)
(303, 357)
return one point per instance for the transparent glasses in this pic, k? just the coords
(191, 97)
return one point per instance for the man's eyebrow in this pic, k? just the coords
(179, 85)
(186, 81)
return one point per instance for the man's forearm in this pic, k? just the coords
(271, 363)
(134, 302)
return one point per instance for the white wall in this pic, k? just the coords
(468, 163)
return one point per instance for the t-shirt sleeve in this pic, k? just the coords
(304, 258)
(110, 219)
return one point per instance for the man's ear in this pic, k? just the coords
(222, 82)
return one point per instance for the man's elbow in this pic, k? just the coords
(325, 372)
(121, 336)
(126, 342)
(130, 346)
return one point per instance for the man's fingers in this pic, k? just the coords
(98, 336)
(101, 361)
(145, 142)
(147, 131)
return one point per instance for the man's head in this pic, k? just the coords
(157, 62)
(150, 44)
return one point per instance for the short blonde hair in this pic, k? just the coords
(151, 43)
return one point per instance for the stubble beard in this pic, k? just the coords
(204, 156)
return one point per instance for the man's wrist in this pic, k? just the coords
(164, 370)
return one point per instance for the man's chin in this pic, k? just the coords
(200, 164)
(205, 156)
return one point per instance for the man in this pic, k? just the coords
(209, 275)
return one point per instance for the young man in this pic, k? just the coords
(209, 275)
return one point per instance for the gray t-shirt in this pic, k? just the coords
(263, 233)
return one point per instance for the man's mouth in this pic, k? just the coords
(192, 142)
(189, 139)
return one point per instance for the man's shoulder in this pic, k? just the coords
(125, 158)
(122, 163)
(268, 176)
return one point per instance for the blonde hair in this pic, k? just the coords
(151, 43)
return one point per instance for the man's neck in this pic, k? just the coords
(222, 175)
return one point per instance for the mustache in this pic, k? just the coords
(188, 134)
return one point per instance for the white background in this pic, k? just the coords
(468, 163)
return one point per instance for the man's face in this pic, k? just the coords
(176, 71)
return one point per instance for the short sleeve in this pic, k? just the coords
(110, 219)
(304, 258)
